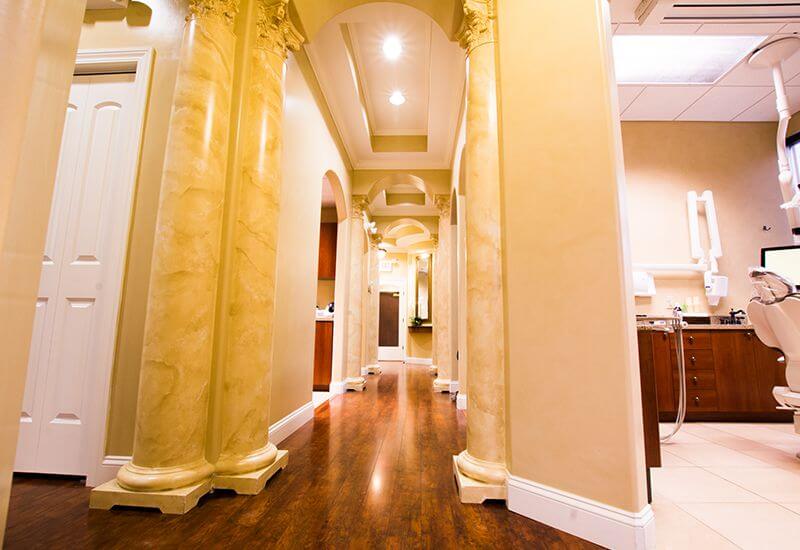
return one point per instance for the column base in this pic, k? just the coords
(461, 401)
(355, 384)
(172, 501)
(472, 491)
(373, 369)
(251, 483)
(441, 386)
(433, 369)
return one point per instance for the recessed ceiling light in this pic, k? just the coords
(397, 98)
(678, 59)
(392, 48)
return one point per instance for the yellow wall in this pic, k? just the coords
(571, 362)
(159, 24)
(419, 345)
(737, 162)
(308, 153)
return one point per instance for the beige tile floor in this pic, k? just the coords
(728, 486)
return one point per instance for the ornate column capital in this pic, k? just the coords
(224, 9)
(477, 27)
(359, 205)
(435, 241)
(275, 31)
(442, 203)
(375, 239)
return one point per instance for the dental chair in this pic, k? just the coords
(774, 312)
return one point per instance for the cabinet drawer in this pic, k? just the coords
(701, 380)
(696, 339)
(701, 400)
(699, 359)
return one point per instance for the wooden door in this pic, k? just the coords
(734, 366)
(664, 369)
(82, 266)
(389, 320)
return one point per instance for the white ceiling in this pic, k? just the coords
(742, 94)
(357, 81)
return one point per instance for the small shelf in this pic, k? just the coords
(420, 328)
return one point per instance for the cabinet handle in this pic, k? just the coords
(693, 359)
(748, 334)
(694, 380)
(691, 339)
(696, 400)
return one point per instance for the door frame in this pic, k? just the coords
(398, 286)
(139, 61)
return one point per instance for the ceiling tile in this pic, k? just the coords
(626, 96)
(667, 28)
(765, 109)
(663, 102)
(765, 29)
(725, 103)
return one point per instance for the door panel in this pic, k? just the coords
(84, 252)
(389, 333)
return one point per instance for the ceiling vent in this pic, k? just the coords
(654, 12)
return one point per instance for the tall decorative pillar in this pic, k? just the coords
(441, 298)
(247, 459)
(355, 314)
(433, 368)
(484, 460)
(372, 296)
(169, 468)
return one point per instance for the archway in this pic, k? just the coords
(332, 271)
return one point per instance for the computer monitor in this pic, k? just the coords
(783, 260)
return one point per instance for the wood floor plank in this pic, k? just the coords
(373, 469)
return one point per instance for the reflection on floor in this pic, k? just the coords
(728, 486)
(320, 397)
(373, 469)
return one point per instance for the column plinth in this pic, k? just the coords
(485, 457)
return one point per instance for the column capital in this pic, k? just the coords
(375, 239)
(442, 203)
(275, 30)
(224, 9)
(359, 204)
(477, 27)
(435, 241)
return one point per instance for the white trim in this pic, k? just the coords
(337, 388)
(461, 401)
(290, 423)
(453, 386)
(418, 360)
(140, 61)
(586, 518)
(111, 464)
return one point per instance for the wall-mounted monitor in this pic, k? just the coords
(783, 260)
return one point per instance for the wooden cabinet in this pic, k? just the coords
(729, 375)
(327, 251)
(323, 355)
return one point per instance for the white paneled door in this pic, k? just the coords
(75, 324)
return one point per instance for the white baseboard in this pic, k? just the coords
(107, 470)
(461, 401)
(453, 386)
(287, 425)
(336, 388)
(418, 360)
(591, 520)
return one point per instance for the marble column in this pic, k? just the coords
(484, 459)
(372, 296)
(441, 299)
(355, 314)
(172, 412)
(250, 305)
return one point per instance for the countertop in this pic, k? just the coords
(698, 327)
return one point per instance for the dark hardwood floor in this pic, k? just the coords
(372, 470)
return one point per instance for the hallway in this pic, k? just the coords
(372, 470)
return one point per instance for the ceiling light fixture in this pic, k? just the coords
(678, 59)
(392, 48)
(397, 98)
